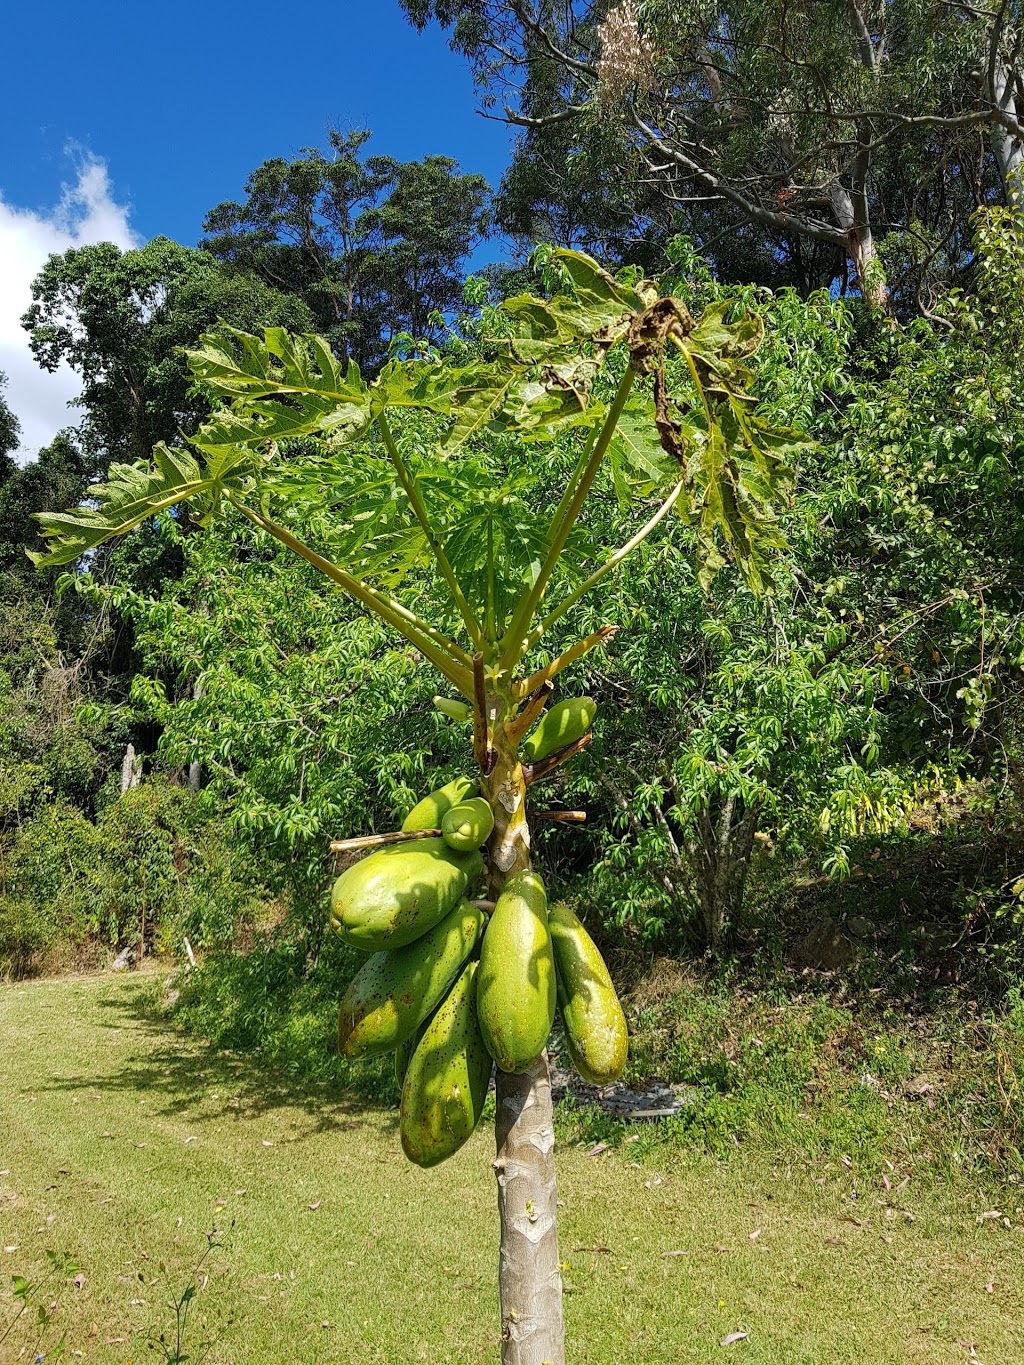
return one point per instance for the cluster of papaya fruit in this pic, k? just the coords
(450, 988)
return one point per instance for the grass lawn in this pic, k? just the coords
(123, 1143)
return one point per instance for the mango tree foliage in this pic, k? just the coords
(889, 661)
(312, 720)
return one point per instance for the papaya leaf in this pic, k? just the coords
(594, 309)
(279, 363)
(134, 492)
(639, 464)
(737, 471)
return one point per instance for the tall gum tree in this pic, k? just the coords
(791, 140)
(311, 454)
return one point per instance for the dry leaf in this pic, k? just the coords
(675, 1253)
(315, 1205)
(992, 1213)
(598, 1148)
(755, 1235)
(733, 1336)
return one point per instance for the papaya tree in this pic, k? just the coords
(369, 482)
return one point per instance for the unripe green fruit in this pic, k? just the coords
(467, 825)
(595, 1026)
(403, 1053)
(446, 1079)
(454, 710)
(564, 724)
(428, 813)
(399, 893)
(516, 985)
(393, 992)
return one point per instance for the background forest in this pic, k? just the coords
(804, 846)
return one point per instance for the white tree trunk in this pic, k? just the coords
(529, 1274)
(1006, 146)
(131, 769)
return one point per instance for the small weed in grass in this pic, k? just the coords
(36, 1307)
(170, 1345)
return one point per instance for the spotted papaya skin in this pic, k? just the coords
(397, 894)
(445, 1082)
(395, 990)
(516, 983)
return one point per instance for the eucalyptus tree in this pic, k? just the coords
(792, 140)
(373, 246)
(310, 454)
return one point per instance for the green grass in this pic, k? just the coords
(123, 1143)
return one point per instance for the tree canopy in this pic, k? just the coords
(373, 246)
(839, 144)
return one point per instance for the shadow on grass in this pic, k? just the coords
(190, 1076)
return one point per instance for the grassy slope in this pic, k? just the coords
(97, 1102)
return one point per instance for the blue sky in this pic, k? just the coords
(124, 122)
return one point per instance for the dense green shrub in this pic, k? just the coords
(151, 869)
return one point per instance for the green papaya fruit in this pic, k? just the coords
(446, 1080)
(516, 985)
(394, 991)
(564, 724)
(403, 1053)
(595, 1026)
(427, 814)
(397, 894)
(454, 710)
(467, 825)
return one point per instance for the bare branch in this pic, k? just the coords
(380, 840)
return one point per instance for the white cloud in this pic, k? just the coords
(86, 213)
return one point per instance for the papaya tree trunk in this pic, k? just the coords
(529, 1277)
